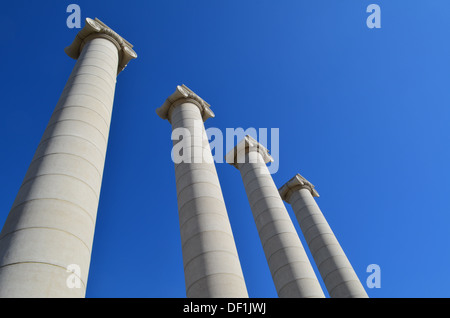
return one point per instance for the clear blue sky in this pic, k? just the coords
(363, 114)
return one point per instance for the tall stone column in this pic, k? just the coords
(211, 265)
(337, 273)
(46, 241)
(289, 265)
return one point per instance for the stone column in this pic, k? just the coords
(211, 265)
(289, 265)
(46, 241)
(337, 273)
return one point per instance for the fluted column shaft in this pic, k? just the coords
(50, 227)
(289, 265)
(211, 264)
(337, 273)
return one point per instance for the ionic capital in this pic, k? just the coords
(184, 94)
(295, 184)
(237, 155)
(97, 29)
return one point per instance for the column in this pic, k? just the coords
(211, 265)
(289, 265)
(337, 273)
(46, 241)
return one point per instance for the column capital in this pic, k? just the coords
(184, 94)
(296, 183)
(97, 29)
(246, 145)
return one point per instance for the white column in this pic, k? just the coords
(211, 264)
(289, 265)
(337, 273)
(50, 227)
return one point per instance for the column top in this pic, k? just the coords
(296, 183)
(246, 145)
(183, 93)
(97, 29)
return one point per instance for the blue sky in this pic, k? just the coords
(363, 114)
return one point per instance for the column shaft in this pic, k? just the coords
(211, 264)
(50, 227)
(337, 273)
(334, 266)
